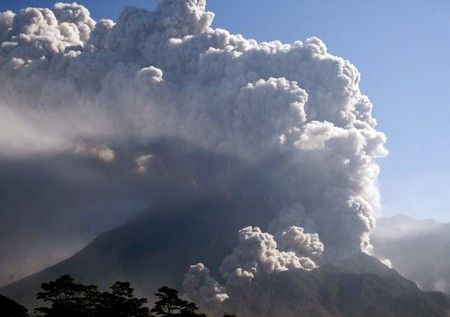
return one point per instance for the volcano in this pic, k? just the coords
(149, 255)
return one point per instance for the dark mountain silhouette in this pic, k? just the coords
(157, 250)
(9, 308)
(152, 250)
(360, 286)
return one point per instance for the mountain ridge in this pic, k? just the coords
(127, 253)
(416, 248)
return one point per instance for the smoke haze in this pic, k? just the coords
(103, 119)
(416, 248)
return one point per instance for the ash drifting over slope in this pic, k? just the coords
(135, 113)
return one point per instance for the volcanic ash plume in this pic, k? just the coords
(256, 254)
(111, 90)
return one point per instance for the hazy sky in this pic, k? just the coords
(400, 47)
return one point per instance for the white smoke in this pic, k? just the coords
(100, 152)
(142, 163)
(296, 240)
(293, 110)
(258, 252)
(256, 256)
(204, 289)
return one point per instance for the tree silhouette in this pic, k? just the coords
(67, 298)
(70, 299)
(121, 302)
(169, 304)
(9, 308)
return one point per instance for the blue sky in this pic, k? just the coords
(402, 49)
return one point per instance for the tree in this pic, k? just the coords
(9, 308)
(169, 304)
(121, 302)
(67, 298)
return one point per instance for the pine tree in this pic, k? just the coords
(121, 302)
(169, 305)
(67, 298)
(70, 299)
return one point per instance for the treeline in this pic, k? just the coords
(65, 298)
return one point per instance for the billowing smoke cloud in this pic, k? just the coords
(258, 251)
(256, 256)
(103, 103)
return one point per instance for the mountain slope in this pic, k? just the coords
(337, 291)
(419, 249)
(151, 252)
(10, 308)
